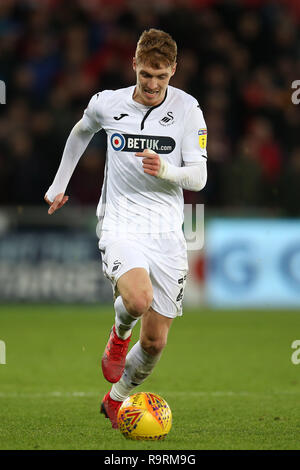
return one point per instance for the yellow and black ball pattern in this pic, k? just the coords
(145, 416)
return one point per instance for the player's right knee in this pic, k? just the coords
(152, 346)
(138, 303)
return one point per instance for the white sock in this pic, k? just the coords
(124, 322)
(120, 391)
(139, 365)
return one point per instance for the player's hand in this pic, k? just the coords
(58, 202)
(151, 162)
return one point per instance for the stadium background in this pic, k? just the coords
(239, 59)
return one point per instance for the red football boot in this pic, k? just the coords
(113, 360)
(110, 408)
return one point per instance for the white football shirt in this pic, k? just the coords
(131, 200)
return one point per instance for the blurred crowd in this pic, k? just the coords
(238, 58)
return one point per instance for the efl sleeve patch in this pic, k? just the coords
(194, 141)
(202, 135)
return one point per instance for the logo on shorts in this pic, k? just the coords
(116, 265)
(180, 295)
(138, 143)
(181, 280)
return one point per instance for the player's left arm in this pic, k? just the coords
(193, 175)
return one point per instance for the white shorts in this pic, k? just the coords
(164, 256)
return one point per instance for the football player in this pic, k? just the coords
(156, 147)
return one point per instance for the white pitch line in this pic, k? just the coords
(78, 394)
(231, 393)
(49, 394)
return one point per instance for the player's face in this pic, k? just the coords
(151, 84)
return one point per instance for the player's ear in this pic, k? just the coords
(134, 64)
(174, 69)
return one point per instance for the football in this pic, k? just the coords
(145, 416)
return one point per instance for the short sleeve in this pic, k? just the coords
(91, 119)
(194, 141)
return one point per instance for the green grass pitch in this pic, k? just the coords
(228, 377)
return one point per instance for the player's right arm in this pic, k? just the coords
(77, 142)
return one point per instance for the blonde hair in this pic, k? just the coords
(156, 48)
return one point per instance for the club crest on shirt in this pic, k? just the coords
(168, 119)
(202, 135)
